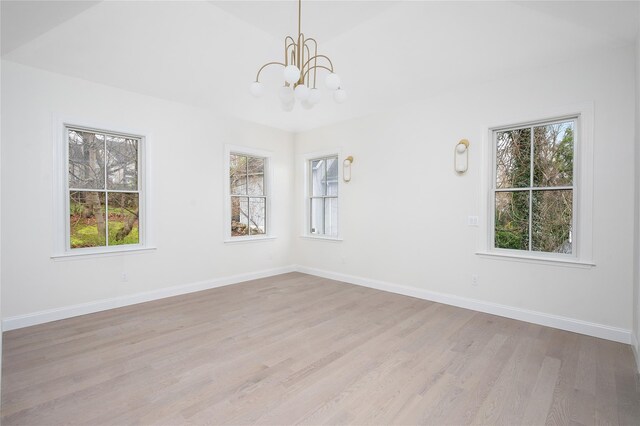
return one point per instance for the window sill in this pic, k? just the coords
(321, 238)
(249, 239)
(570, 263)
(92, 254)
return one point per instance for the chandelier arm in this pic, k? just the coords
(317, 66)
(286, 48)
(309, 55)
(319, 56)
(288, 42)
(315, 61)
(266, 65)
(290, 47)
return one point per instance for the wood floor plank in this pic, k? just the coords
(542, 394)
(298, 349)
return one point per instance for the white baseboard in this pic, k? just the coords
(27, 320)
(563, 323)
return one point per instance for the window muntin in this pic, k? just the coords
(323, 196)
(103, 189)
(534, 189)
(248, 195)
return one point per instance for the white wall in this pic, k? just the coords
(404, 215)
(1, 335)
(187, 146)
(636, 257)
(416, 236)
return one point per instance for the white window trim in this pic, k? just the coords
(306, 158)
(61, 242)
(582, 255)
(253, 152)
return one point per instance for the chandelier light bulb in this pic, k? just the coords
(314, 96)
(302, 92)
(285, 93)
(339, 96)
(288, 106)
(256, 89)
(332, 81)
(306, 104)
(291, 74)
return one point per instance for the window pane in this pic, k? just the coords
(123, 218)
(512, 220)
(318, 178)
(239, 216)
(552, 221)
(122, 163)
(86, 219)
(255, 167)
(86, 160)
(238, 174)
(553, 155)
(257, 216)
(331, 217)
(317, 216)
(332, 176)
(513, 158)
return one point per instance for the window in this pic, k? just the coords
(104, 199)
(323, 196)
(248, 195)
(534, 190)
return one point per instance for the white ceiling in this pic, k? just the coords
(323, 20)
(205, 53)
(22, 21)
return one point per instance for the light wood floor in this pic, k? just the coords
(301, 349)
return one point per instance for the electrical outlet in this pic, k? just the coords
(474, 280)
(472, 221)
(124, 277)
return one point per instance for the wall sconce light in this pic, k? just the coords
(461, 157)
(346, 168)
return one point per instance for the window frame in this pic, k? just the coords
(268, 194)
(306, 225)
(582, 231)
(62, 227)
(530, 189)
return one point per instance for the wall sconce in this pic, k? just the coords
(461, 157)
(346, 169)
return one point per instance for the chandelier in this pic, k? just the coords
(301, 65)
